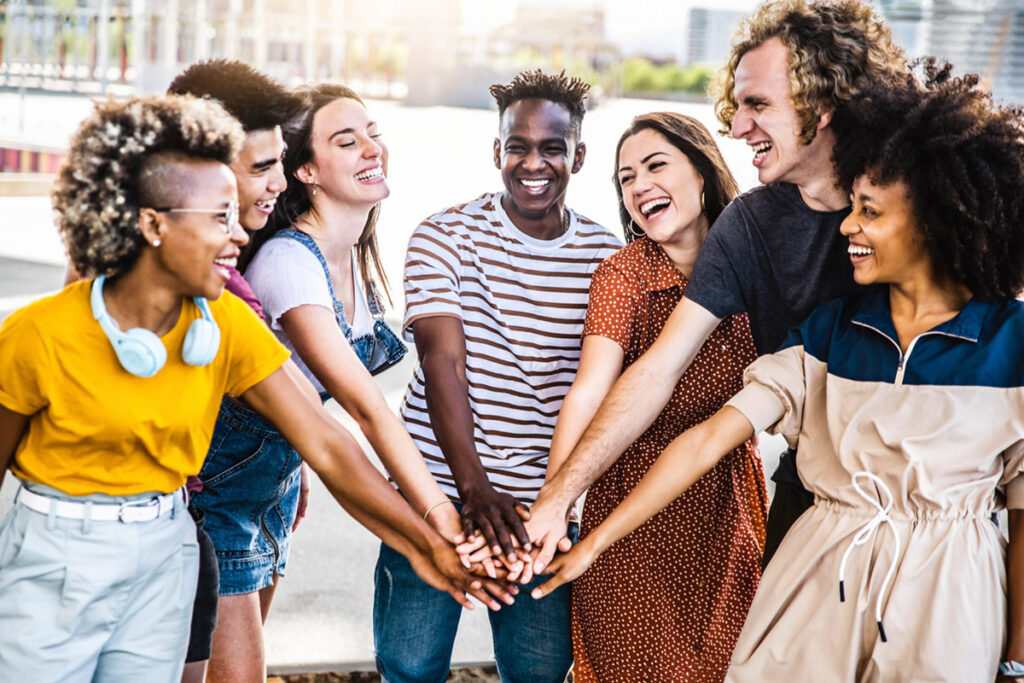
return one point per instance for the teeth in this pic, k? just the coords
(649, 207)
(535, 183)
(857, 250)
(372, 173)
(761, 148)
(229, 262)
(266, 203)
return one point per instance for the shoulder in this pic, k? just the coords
(54, 314)
(591, 234)
(460, 217)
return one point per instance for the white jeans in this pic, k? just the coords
(95, 600)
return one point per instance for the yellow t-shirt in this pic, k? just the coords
(96, 428)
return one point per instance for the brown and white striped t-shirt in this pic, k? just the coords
(522, 302)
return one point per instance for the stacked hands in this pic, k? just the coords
(501, 544)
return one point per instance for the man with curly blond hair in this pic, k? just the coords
(774, 253)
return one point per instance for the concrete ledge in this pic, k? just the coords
(26, 184)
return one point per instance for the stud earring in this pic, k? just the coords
(635, 229)
(156, 243)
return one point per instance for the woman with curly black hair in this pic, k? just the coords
(109, 393)
(906, 404)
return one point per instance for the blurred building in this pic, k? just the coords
(985, 37)
(710, 35)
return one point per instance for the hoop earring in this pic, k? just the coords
(633, 227)
(702, 202)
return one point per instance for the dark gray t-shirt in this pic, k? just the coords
(770, 256)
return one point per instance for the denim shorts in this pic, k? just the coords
(249, 498)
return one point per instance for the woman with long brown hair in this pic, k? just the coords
(668, 601)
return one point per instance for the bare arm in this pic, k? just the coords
(600, 365)
(357, 485)
(632, 405)
(1015, 588)
(314, 333)
(684, 461)
(12, 426)
(441, 344)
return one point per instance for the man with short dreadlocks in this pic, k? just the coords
(496, 291)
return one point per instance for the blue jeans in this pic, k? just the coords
(414, 628)
(249, 498)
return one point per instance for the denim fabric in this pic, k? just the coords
(378, 350)
(85, 601)
(414, 628)
(249, 498)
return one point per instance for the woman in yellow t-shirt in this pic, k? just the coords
(109, 392)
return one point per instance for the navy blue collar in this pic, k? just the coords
(872, 309)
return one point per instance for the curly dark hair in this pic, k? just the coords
(295, 201)
(691, 138)
(111, 172)
(256, 100)
(529, 85)
(961, 156)
(833, 44)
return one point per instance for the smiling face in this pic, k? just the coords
(885, 240)
(536, 153)
(349, 158)
(197, 247)
(260, 176)
(661, 189)
(767, 120)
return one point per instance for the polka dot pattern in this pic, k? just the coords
(667, 602)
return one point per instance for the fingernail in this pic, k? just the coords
(538, 567)
(536, 594)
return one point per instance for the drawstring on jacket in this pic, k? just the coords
(866, 533)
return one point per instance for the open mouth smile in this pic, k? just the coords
(370, 174)
(653, 208)
(761, 150)
(537, 186)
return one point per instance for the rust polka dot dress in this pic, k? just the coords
(667, 602)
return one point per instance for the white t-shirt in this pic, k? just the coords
(521, 302)
(284, 275)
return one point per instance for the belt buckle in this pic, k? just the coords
(132, 512)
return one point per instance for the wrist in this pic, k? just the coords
(472, 489)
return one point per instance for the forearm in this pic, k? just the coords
(578, 408)
(631, 406)
(686, 459)
(1015, 588)
(361, 490)
(400, 456)
(451, 418)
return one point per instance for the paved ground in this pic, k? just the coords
(439, 156)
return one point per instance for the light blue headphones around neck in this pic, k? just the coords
(141, 352)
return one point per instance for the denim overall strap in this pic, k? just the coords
(310, 243)
(377, 350)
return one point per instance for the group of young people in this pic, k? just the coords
(860, 302)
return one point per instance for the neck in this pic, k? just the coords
(683, 252)
(927, 297)
(547, 227)
(817, 179)
(336, 227)
(142, 298)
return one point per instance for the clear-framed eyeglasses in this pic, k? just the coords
(229, 213)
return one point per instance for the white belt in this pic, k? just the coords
(865, 534)
(134, 511)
